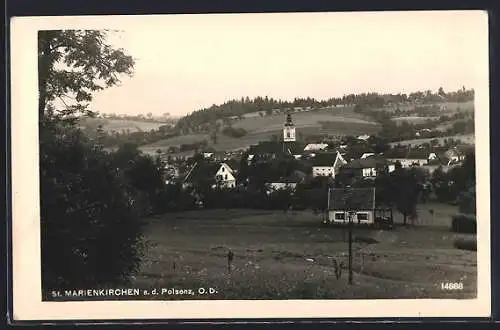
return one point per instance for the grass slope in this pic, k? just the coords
(272, 251)
(120, 125)
(335, 121)
(466, 139)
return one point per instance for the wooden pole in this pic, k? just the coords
(350, 248)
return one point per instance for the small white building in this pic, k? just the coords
(359, 203)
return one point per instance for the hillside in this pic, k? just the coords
(121, 125)
(333, 121)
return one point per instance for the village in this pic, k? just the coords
(351, 161)
(258, 197)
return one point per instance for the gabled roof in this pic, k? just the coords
(417, 154)
(464, 148)
(396, 153)
(315, 146)
(357, 152)
(354, 198)
(233, 164)
(370, 162)
(324, 159)
(401, 153)
(294, 177)
(202, 170)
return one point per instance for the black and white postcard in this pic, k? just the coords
(279, 165)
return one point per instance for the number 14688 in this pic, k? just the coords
(452, 286)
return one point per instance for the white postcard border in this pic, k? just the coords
(27, 303)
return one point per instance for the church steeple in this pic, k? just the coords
(288, 129)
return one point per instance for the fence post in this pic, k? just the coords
(350, 247)
(230, 257)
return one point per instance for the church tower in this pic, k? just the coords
(289, 129)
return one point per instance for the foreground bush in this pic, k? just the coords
(90, 229)
(463, 223)
(469, 244)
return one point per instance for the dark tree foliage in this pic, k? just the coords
(406, 192)
(73, 64)
(366, 103)
(144, 174)
(90, 208)
(89, 215)
(234, 132)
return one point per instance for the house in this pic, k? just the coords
(458, 153)
(218, 172)
(359, 201)
(315, 146)
(171, 173)
(363, 137)
(367, 154)
(327, 164)
(422, 132)
(357, 152)
(365, 167)
(289, 182)
(409, 158)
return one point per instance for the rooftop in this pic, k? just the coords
(324, 159)
(370, 162)
(354, 198)
(202, 170)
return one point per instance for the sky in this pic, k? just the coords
(188, 62)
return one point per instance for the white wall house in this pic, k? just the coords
(327, 164)
(222, 173)
(409, 162)
(225, 176)
(363, 198)
(361, 217)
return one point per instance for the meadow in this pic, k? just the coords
(413, 119)
(446, 107)
(466, 139)
(337, 121)
(292, 256)
(121, 125)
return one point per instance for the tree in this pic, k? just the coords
(90, 233)
(441, 92)
(73, 64)
(405, 192)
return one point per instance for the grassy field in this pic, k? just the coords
(455, 106)
(449, 107)
(413, 119)
(338, 121)
(466, 139)
(290, 256)
(120, 125)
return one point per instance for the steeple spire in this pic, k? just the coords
(289, 121)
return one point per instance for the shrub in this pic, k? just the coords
(90, 229)
(234, 132)
(463, 223)
(469, 244)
